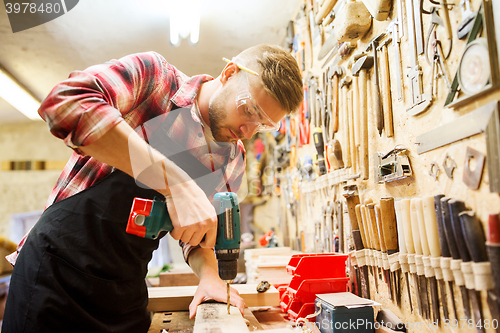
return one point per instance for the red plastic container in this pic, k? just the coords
(306, 290)
(317, 266)
(300, 310)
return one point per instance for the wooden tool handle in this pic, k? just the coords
(406, 219)
(421, 227)
(380, 228)
(345, 113)
(324, 10)
(389, 224)
(387, 99)
(431, 226)
(372, 219)
(337, 152)
(361, 225)
(415, 232)
(354, 160)
(367, 225)
(335, 103)
(400, 227)
(352, 201)
(448, 228)
(364, 162)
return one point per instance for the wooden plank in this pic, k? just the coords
(270, 317)
(179, 277)
(171, 322)
(179, 298)
(213, 317)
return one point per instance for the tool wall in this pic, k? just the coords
(394, 154)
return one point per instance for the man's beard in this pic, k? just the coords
(216, 116)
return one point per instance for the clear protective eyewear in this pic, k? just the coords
(249, 109)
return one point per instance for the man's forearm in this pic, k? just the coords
(203, 263)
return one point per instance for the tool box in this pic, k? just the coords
(344, 313)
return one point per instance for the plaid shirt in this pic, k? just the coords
(134, 89)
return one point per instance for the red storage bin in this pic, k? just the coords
(317, 266)
(300, 310)
(306, 290)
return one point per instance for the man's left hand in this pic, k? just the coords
(214, 289)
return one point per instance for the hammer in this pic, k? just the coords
(344, 85)
(360, 68)
(386, 88)
(335, 72)
(378, 106)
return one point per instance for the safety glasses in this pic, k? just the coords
(248, 108)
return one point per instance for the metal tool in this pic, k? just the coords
(403, 252)
(148, 218)
(468, 17)
(449, 165)
(456, 259)
(386, 88)
(390, 232)
(455, 208)
(436, 21)
(392, 165)
(344, 86)
(331, 45)
(360, 67)
(377, 100)
(472, 176)
(472, 123)
(445, 258)
(319, 144)
(438, 67)
(417, 241)
(395, 27)
(420, 101)
(493, 249)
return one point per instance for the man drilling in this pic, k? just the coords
(140, 128)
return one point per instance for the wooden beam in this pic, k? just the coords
(213, 317)
(179, 298)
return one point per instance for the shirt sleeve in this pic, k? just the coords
(84, 107)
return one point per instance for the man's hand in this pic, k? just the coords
(215, 289)
(192, 215)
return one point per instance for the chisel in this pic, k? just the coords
(493, 248)
(430, 279)
(456, 207)
(455, 254)
(445, 259)
(415, 206)
(391, 242)
(475, 242)
(403, 252)
(410, 247)
(383, 248)
(361, 254)
(435, 254)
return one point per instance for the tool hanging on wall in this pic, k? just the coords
(386, 88)
(468, 17)
(395, 27)
(319, 144)
(379, 118)
(403, 252)
(392, 165)
(438, 67)
(360, 67)
(344, 86)
(477, 71)
(420, 101)
(449, 165)
(353, 21)
(472, 175)
(437, 20)
(335, 74)
(455, 263)
(493, 249)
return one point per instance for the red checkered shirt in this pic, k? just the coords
(134, 89)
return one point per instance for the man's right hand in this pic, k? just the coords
(193, 216)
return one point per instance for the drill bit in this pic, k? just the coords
(228, 304)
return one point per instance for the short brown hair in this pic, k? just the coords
(279, 72)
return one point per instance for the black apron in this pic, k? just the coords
(79, 271)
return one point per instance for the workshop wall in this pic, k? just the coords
(27, 190)
(304, 195)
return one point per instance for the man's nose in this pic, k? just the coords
(248, 130)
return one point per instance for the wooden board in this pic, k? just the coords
(178, 277)
(171, 322)
(213, 317)
(179, 298)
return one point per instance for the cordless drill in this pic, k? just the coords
(148, 218)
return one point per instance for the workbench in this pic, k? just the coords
(259, 318)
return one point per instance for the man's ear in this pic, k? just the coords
(228, 71)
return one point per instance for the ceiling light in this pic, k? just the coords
(184, 21)
(17, 96)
